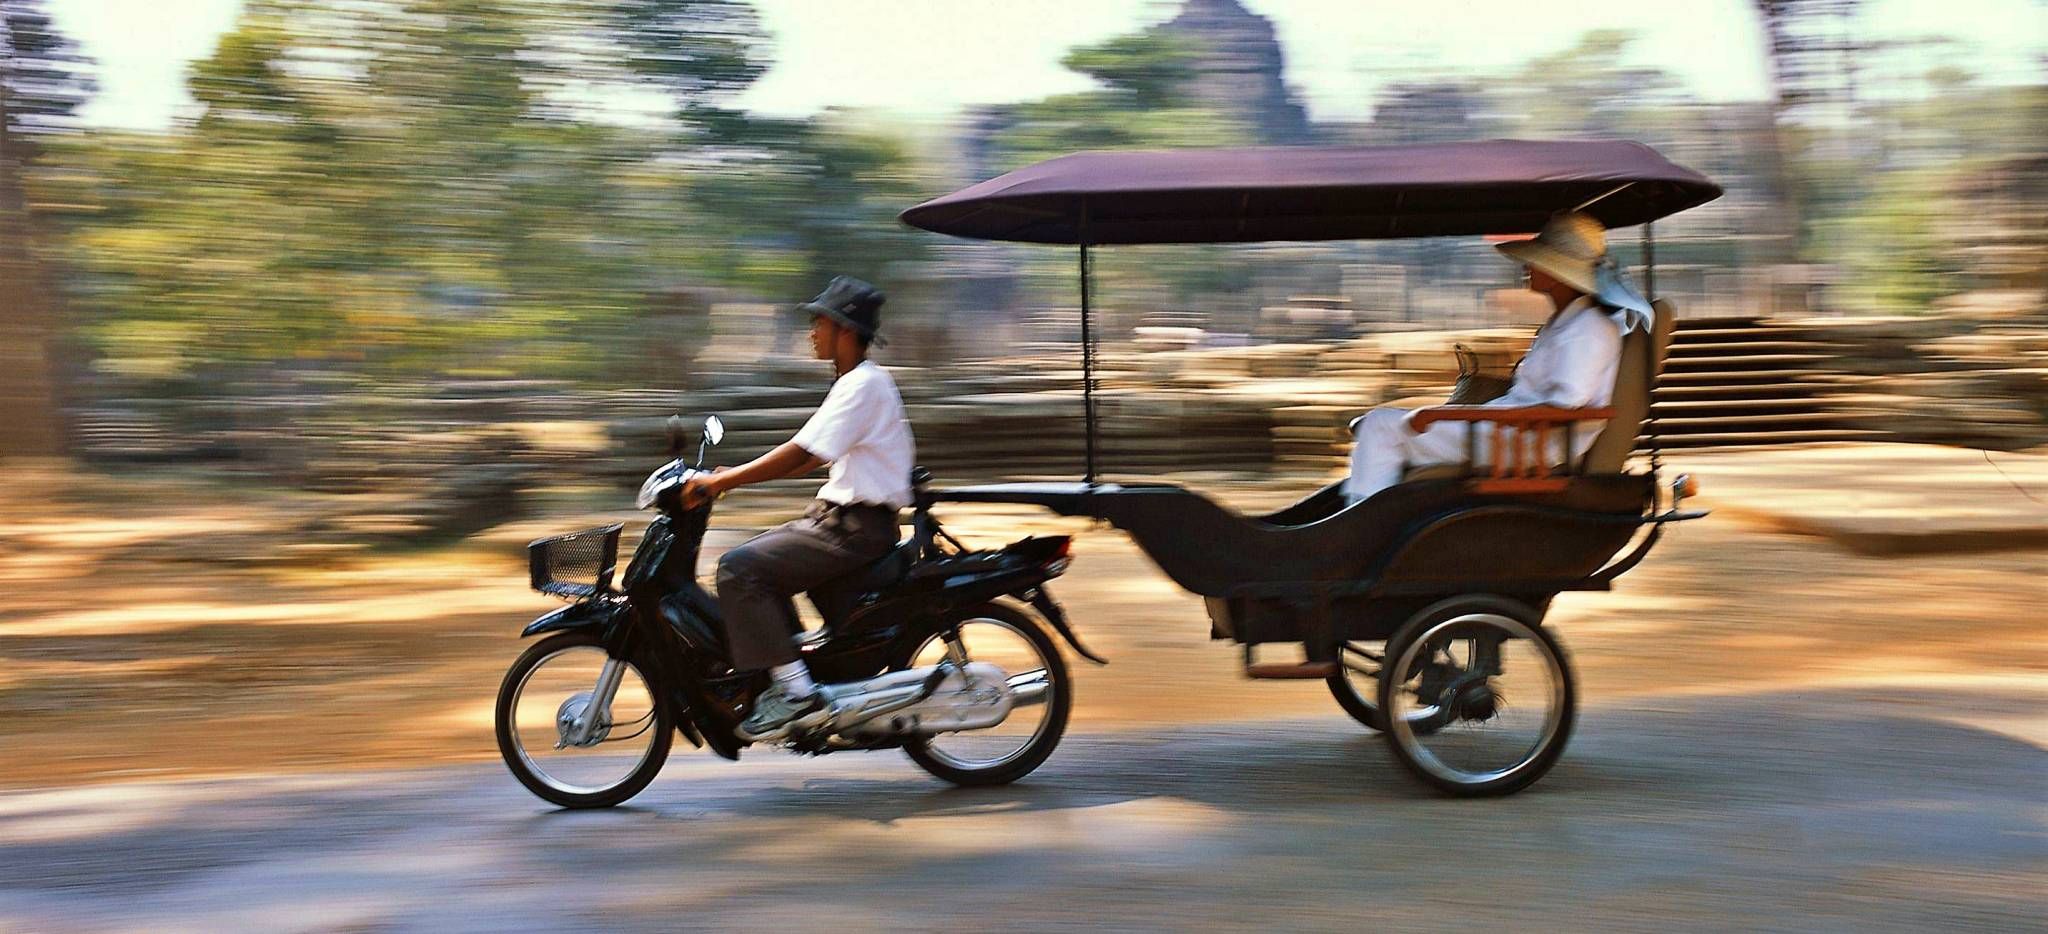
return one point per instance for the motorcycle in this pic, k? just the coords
(942, 651)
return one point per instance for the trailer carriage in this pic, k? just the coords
(1423, 605)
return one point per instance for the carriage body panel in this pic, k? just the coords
(1355, 569)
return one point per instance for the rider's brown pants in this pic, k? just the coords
(757, 579)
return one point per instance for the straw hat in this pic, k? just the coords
(1568, 248)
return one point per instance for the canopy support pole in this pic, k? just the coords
(1087, 352)
(1650, 260)
(1650, 292)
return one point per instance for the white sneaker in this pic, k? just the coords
(776, 714)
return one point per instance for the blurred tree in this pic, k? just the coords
(1146, 70)
(372, 188)
(795, 201)
(42, 72)
(854, 181)
(1586, 90)
(1814, 61)
(1948, 207)
(702, 53)
(42, 82)
(250, 235)
(1891, 248)
(1145, 101)
(436, 186)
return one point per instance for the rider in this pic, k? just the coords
(860, 430)
(1571, 364)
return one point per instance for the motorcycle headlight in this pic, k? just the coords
(666, 476)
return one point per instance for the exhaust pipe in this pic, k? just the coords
(1030, 688)
(941, 699)
(885, 698)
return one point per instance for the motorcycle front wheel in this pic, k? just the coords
(546, 691)
(1017, 643)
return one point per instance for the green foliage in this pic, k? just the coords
(1889, 246)
(1143, 104)
(435, 186)
(1587, 91)
(1885, 202)
(1144, 70)
(702, 52)
(409, 189)
(326, 214)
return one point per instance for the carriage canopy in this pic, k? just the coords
(1317, 193)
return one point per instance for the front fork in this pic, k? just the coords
(597, 714)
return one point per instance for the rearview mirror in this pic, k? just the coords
(714, 432)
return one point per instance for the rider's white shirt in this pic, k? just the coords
(862, 432)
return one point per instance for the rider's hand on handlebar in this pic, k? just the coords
(701, 489)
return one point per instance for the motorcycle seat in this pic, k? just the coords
(836, 598)
(886, 570)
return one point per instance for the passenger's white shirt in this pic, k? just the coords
(1571, 364)
(862, 432)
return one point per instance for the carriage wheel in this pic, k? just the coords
(1356, 684)
(1478, 698)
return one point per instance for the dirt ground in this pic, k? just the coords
(139, 642)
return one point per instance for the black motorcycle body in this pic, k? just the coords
(665, 624)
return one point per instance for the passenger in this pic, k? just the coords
(1571, 364)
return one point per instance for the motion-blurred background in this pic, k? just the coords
(329, 246)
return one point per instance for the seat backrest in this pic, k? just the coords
(1633, 381)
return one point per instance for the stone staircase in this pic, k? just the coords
(1738, 382)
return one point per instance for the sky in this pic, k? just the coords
(923, 58)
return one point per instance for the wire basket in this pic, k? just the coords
(575, 565)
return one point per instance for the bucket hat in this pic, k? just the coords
(851, 303)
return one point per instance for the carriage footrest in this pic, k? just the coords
(1298, 671)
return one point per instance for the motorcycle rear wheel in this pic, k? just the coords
(515, 737)
(935, 754)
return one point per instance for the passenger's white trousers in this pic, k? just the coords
(1386, 446)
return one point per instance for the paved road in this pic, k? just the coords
(1837, 810)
